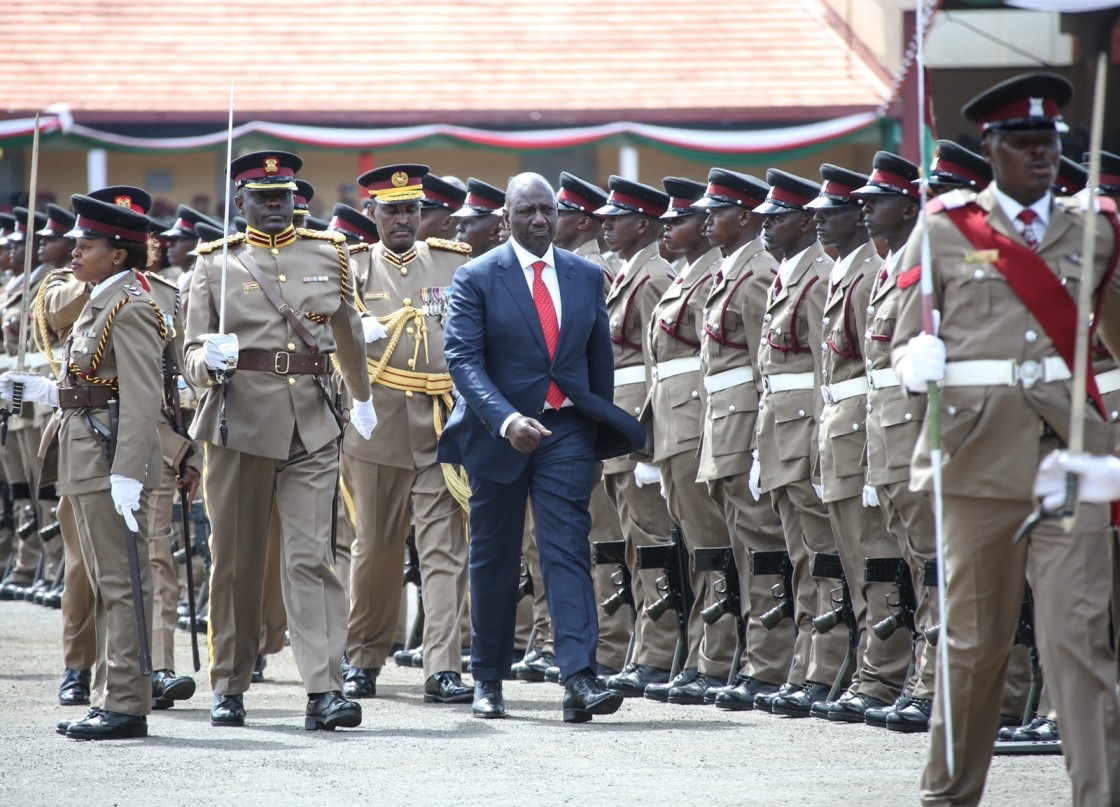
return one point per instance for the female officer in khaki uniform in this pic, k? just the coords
(111, 381)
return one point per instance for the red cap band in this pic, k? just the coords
(735, 194)
(636, 204)
(56, 227)
(1022, 109)
(586, 205)
(895, 182)
(789, 197)
(681, 205)
(352, 230)
(833, 188)
(958, 170)
(1110, 179)
(474, 200)
(139, 236)
(183, 224)
(440, 199)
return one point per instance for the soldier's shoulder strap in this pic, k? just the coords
(360, 247)
(210, 246)
(322, 235)
(160, 280)
(448, 245)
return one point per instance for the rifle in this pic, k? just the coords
(1024, 635)
(776, 563)
(673, 585)
(829, 566)
(902, 602)
(722, 559)
(607, 552)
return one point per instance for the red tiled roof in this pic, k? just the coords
(420, 61)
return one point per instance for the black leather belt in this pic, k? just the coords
(283, 362)
(81, 397)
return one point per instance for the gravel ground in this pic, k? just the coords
(409, 752)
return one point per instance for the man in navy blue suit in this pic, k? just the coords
(528, 347)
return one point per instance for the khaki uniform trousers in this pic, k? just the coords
(274, 617)
(165, 580)
(1071, 580)
(644, 521)
(860, 532)
(117, 684)
(817, 657)
(711, 648)
(241, 490)
(79, 641)
(382, 495)
(754, 527)
(25, 554)
(52, 550)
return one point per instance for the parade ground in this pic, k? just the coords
(407, 752)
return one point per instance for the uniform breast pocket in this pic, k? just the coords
(984, 288)
(733, 416)
(82, 455)
(902, 423)
(793, 428)
(879, 336)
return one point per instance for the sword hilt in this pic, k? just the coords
(17, 398)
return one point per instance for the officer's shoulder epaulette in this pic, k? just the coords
(361, 246)
(134, 289)
(322, 235)
(958, 197)
(448, 245)
(210, 246)
(153, 277)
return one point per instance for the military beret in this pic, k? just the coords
(633, 197)
(787, 193)
(1031, 102)
(838, 187)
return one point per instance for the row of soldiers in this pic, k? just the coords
(772, 502)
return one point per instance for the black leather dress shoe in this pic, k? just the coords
(603, 671)
(1041, 729)
(331, 711)
(361, 682)
(258, 669)
(107, 725)
(227, 710)
(64, 725)
(851, 709)
(586, 696)
(403, 658)
(692, 693)
(447, 687)
(553, 676)
(632, 681)
(877, 716)
(660, 692)
(741, 696)
(534, 666)
(418, 659)
(764, 701)
(488, 702)
(167, 687)
(913, 718)
(800, 702)
(74, 690)
(54, 598)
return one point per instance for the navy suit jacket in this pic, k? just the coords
(498, 359)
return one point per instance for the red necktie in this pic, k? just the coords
(546, 310)
(1027, 216)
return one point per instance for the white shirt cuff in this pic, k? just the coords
(506, 422)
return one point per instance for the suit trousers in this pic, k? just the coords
(382, 495)
(1071, 579)
(165, 580)
(644, 520)
(860, 532)
(559, 479)
(711, 648)
(241, 490)
(541, 621)
(117, 684)
(817, 657)
(79, 640)
(754, 527)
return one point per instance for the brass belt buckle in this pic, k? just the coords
(282, 367)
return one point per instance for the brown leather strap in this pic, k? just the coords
(283, 362)
(79, 397)
(274, 297)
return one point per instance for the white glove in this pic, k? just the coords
(126, 498)
(36, 389)
(363, 417)
(1099, 478)
(870, 496)
(924, 362)
(754, 480)
(646, 474)
(373, 329)
(219, 351)
(819, 490)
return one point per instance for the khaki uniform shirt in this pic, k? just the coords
(732, 324)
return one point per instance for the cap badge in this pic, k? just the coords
(123, 201)
(271, 165)
(1036, 108)
(399, 179)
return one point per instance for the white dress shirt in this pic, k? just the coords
(1012, 209)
